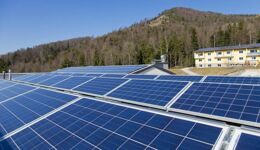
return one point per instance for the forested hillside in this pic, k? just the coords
(176, 32)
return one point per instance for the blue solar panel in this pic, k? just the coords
(23, 109)
(114, 75)
(72, 82)
(93, 75)
(103, 69)
(240, 80)
(5, 84)
(54, 80)
(90, 124)
(138, 76)
(240, 102)
(40, 79)
(180, 78)
(29, 77)
(100, 86)
(13, 91)
(148, 91)
(248, 142)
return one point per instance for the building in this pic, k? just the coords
(228, 56)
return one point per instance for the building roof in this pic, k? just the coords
(228, 47)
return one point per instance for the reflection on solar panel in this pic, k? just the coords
(13, 91)
(138, 76)
(248, 142)
(100, 86)
(23, 109)
(54, 80)
(4, 84)
(114, 75)
(180, 78)
(157, 93)
(241, 102)
(90, 124)
(93, 75)
(72, 82)
(103, 69)
(241, 80)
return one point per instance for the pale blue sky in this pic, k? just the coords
(26, 23)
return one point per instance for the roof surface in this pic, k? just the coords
(228, 47)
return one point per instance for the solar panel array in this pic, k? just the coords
(103, 69)
(90, 124)
(239, 80)
(151, 92)
(240, 102)
(76, 123)
(180, 78)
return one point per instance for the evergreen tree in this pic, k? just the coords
(66, 63)
(194, 40)
(258, 37)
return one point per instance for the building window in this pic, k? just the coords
(241, 58)
(209, 54)
(228, 52)
(229, 58)
(253, 51)
(200, 54)
(253, 58)
(219, 65)
(209, 65)
(219, 53)
(219, 59)
(209, 59)
(200, 60)
(241, 52)
(200, 65)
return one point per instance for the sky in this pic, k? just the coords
(27, 23)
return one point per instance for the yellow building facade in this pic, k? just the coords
(228, 56)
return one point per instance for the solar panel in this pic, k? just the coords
(180, 78)
(151, 92)
(29, 77)
(72, 82)
(138, 76)
(13, 91)
(240, 80)
(5, 84)
(40, 79)
(237, 103)
(103, 69)
(90, 124)
(93, 75)
(114, 75)
(54, 80)
(100, 86)
(248, 142)
(25, 108)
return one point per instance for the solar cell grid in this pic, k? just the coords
(240, 80)
(72, 82)
(53, 80)
(100, 86)
(180, 78)
(40, 79)
(156, 93)
(90, 124)
(240, 102)
(27, 107)
(248, 142)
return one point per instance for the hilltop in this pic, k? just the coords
(177, 32)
